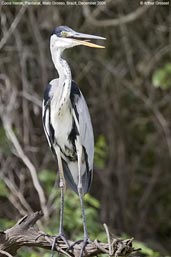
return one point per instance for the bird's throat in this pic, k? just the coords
(65, 77)
(61, 65)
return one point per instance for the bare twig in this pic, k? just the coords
(13, 26)
(16, 194)
(5, 253)
(32, 98)
(108, 239)
(20, 153)
(6, 113)
(114, 22)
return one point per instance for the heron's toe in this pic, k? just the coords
(82, 243)
(59, 238)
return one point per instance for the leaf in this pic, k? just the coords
(3, 190)
(4, 143)
(92, 201)
(145, 249)
(162, 77)
(100, 154)
(48, 177)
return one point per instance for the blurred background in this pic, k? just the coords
(127, 87)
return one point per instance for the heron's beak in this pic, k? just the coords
(84, 39)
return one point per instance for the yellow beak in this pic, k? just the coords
(84, 39)
(89, 44)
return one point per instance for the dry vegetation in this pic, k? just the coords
(128, 112)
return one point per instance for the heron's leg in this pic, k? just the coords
(81, 194)
(62, 187)
(86, 238)
(61, 234)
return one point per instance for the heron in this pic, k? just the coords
(67, 123)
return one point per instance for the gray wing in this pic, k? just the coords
(46, 118)
(85, 131)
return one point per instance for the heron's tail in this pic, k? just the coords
(69, 177)
(86, 179)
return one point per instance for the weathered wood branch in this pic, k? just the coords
(26, 233)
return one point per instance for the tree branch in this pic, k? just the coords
(114, 22)
(25, 233)
(13, 26)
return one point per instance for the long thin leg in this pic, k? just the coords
(62, 187)
(81, 193)
(79, 150)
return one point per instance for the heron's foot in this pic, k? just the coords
(59, 238)
(82, 243)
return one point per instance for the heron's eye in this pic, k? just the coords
(64, 34)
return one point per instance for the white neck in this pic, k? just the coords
(65, 77)
(60, 64)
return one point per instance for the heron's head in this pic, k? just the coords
(63, 37)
